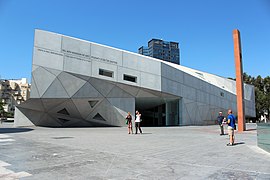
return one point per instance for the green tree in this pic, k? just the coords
(259, 102)
(259, 83)
(266, 83)
(247, 78)
(262, 93)
(1, 108)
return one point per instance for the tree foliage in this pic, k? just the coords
(1, 108)
(262, 93)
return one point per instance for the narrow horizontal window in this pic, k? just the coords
(130, 78)
(104, 72)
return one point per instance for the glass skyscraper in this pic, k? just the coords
(164, 50)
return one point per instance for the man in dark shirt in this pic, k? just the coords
(220, 119)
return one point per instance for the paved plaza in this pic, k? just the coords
(188, 152)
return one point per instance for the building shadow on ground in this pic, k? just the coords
(14, 130)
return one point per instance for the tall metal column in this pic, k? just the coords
(239, 81)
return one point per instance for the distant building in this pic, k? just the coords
(164, 50)
(144, 51)
(14, 92)
(21, 87)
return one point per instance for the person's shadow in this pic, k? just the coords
(238, 143)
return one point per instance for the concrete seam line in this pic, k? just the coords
(110, 165)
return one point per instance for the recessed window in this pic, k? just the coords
(222, 94)
(104, 72)
(130, 78)
(63, 111)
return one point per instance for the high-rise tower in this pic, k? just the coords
(164, 50)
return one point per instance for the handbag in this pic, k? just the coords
(126, 121)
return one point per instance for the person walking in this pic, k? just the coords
(220, 119)
(129, 123)
(138, 122)
(231, 125)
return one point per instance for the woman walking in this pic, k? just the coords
(129, 123)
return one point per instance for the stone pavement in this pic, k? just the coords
(189, 152)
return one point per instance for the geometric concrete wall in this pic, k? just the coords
(68, 99)
(69, 89)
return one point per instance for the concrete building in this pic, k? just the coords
(5, 95)
(20, 87)
(164, 50)
(81, 83)
(13, 92)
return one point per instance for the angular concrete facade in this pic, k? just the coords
(80, 83)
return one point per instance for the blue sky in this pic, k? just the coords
(202, 28)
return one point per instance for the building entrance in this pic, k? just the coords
(158, 111)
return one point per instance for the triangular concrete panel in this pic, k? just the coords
(155, 93)
(123, 105)
(93, 103)
(32, 115)
(34, 91)
(87, 91)
(68, 121)
(86, 78)
(109, 114)
(43, 79)
(120, 115)
(102, 86)
(71, 83)
(52, 103)
(99, 117)
(50, 121)
(64, 111)
(53, 71)
(20, 119)
(69, 106)
(120, 111)
(55, 90)
(143, 93)
(33, 104)
(130, 89)
(63, 120)
(84, 107)
(118, 92)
